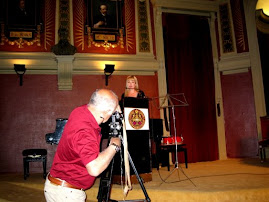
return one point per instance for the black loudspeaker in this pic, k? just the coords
(156, 129)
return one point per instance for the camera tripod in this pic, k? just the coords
(106, 176)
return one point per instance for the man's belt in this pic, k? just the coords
(61, 183)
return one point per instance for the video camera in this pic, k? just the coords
(115, 125)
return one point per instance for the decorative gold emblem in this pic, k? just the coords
(136, 119)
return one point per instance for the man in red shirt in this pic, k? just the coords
(77, 161)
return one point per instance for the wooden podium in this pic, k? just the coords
(138, 136)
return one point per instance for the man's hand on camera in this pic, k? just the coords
(115, 140)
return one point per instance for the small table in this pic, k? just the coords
(167, 148)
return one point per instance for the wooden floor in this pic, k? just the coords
(223, 180)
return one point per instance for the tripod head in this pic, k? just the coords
(115, 125)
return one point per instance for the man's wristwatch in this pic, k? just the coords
(117, 148)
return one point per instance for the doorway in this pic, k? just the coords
(190, 70)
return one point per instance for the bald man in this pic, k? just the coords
(78, 160)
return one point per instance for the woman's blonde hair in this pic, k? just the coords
(136, 84)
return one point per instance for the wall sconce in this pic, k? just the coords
(109, 69)
(264, 17)
(20, 70)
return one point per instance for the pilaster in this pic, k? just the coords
(65, 70)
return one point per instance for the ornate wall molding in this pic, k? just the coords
(226, 29)
(129, 25)
(21, 41)
(36, 63)
(65, 66)
(189, 5)
(143, 27)
(95, 63)
(239, 26)
(64, 17)
(106, 44)
(49, 26)
(234, 62)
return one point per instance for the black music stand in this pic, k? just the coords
(167, 102)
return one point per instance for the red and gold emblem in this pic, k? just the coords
(136, 119)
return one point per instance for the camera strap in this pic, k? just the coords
(128, 185)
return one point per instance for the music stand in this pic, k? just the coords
(168, 103)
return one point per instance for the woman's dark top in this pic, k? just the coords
(140, 94)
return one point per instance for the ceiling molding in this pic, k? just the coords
(199, 5)
(82, 63)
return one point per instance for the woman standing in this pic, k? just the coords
(132, 89)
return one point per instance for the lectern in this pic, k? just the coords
(138, 135)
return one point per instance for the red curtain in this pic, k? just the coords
(189, 67)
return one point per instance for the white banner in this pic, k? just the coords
(136, 118)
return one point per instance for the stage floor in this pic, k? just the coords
(223, 180)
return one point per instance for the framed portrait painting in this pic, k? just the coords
(23, 15)
(104, 16)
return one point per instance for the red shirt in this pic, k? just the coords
(79, 145)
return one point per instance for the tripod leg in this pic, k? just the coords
(105, 184)
(105, 181)
(138, 178)
(136, 173)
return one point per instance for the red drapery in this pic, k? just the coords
(189, 67)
